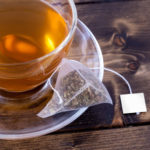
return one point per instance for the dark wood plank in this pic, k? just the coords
(122, 29)
(100, 116)
(133, 138)
(86, 1)
(123, 33)
(98, 1)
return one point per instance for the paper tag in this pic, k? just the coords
(133, 103)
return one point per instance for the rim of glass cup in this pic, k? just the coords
(61, 45)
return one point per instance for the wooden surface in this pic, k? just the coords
(122, 29)
(124, 38)
(133, 138)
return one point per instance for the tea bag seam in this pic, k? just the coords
(100, 92)
(63, 102)
(51, 84)
(78, 92)
(78, 72)
(87, 84)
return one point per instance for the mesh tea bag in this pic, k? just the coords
(75, 86)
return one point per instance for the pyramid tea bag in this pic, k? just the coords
(75, 86)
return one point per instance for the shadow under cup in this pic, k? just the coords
(23, 77)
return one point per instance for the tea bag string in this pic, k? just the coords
(119, 75)
(122, 77)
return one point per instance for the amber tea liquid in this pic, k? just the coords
(29, 31)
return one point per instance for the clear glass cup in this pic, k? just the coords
(23, 77)
(19, 120)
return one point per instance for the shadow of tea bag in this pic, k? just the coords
(75, 86)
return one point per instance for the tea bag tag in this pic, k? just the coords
(133, 103)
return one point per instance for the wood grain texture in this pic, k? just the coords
(124, 38)
(122, 29)
(133, 138)
(100, 116)
(99, 1)
(87, 1)
(93, 1)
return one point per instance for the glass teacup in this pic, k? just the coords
(20, 71)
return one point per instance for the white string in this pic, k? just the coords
(122, 77)
(106, 69)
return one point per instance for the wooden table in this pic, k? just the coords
(122, 28)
